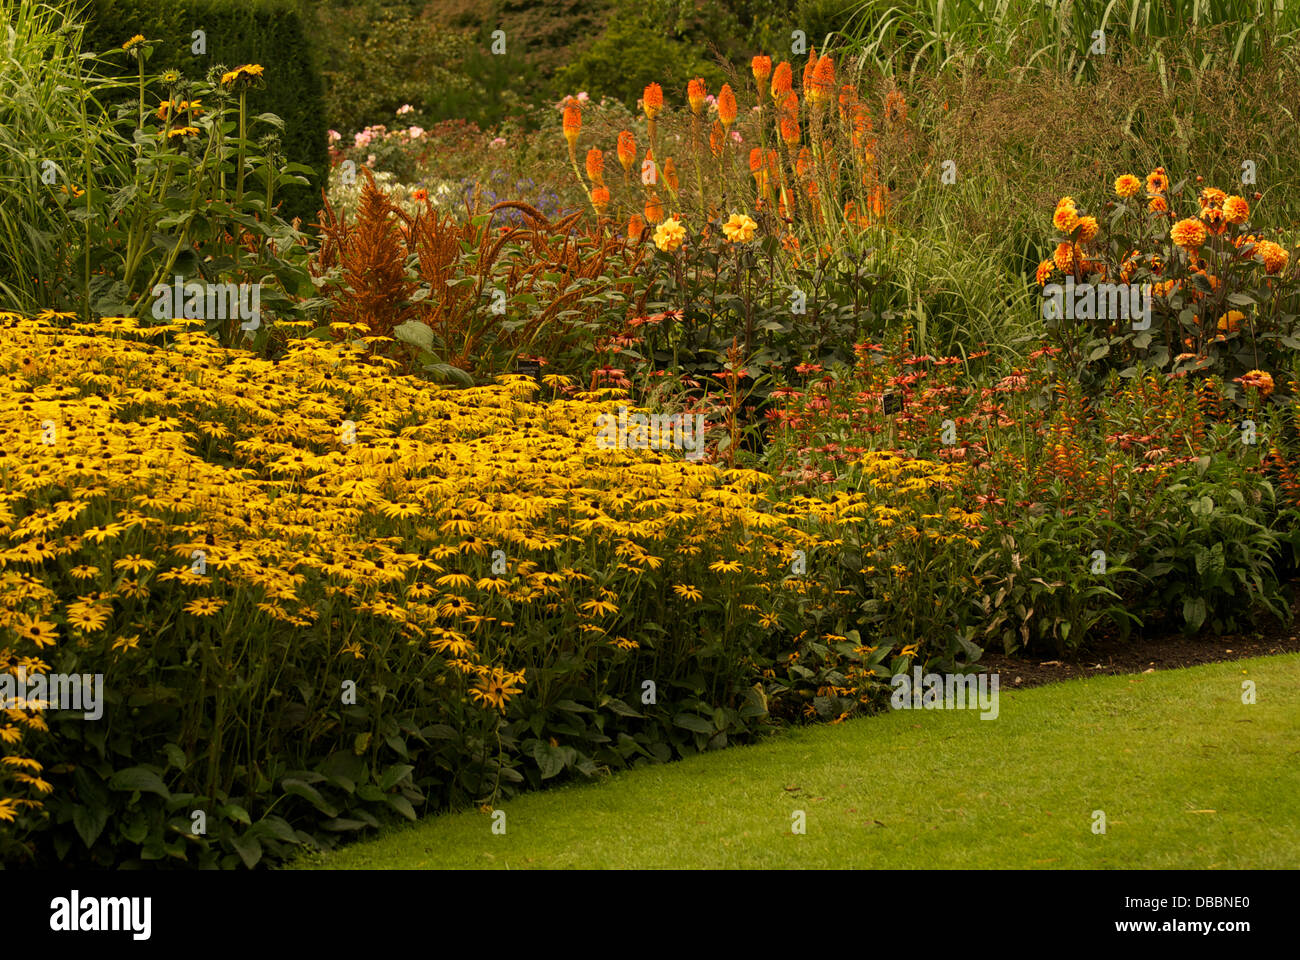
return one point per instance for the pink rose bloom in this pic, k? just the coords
(335, 136)
(362, 139)
(415, 132)
(582, 97)
(404, 109)
(498, 143)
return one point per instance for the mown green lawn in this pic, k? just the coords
(1186, 774)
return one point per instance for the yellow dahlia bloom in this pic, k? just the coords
(1044, 272)
(669, 235)
(739, 228)
(1230, 322)
(1127, 186)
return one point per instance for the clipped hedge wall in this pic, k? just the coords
(273, 33)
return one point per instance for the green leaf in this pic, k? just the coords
(249, 850)
(416, 333)
(402, 806)
(692, 722)
(309, 793)
(89, 822)
(395, 775)
(139, 778)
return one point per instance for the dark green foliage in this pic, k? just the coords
(273, 33)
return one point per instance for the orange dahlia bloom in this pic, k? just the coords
(762, 69)
(654, 209)
(1274, 257)
(1236, 210)
(572, 122)
(1044, 272)
(726, 105)
(1087, 228)
(695, 95)
(653, 100)
(823, 80)
(600, 199)
(595, 166)
(782, 80)
(1064, 256)
(1188, 234)
(1066, 217)
(1213, 197)
(626, 150)
(1158, 205)
(1157, 182)
(1127, 186)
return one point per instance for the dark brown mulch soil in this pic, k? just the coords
(1142, 655)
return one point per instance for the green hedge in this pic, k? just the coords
(273, 33)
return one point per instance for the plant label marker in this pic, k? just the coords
(891, 403)
(528, 368)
